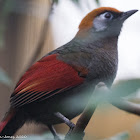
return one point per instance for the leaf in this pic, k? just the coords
(98, 2)
(55, 1)
(126, 87)
(121, 136)
(4, 78)
(77, 1)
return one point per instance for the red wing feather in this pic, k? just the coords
(44, 79)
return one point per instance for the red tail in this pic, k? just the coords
(6, 119)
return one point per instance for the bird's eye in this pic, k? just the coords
(108, 15)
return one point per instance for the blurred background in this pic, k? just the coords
(31, 28)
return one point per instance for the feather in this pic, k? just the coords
(47, 77)
(6, 119)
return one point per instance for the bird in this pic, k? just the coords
(58, 87)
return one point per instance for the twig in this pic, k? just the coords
(126, 106)
(120, 103)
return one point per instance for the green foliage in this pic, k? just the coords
(77, 1)
(98, 2)
(121, 136)
(126, 87)
(4, 78)
(55, 1)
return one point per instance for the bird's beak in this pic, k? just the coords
(127, 14)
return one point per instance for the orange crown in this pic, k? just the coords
(87, 21)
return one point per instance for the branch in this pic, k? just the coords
(119, 102)
(101, 94)
(78, 131)
(126, 106)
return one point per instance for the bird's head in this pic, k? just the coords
(104, 21)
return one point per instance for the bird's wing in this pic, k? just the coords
(44, 79)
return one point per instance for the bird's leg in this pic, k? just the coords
(66, 121)
(56, 137)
